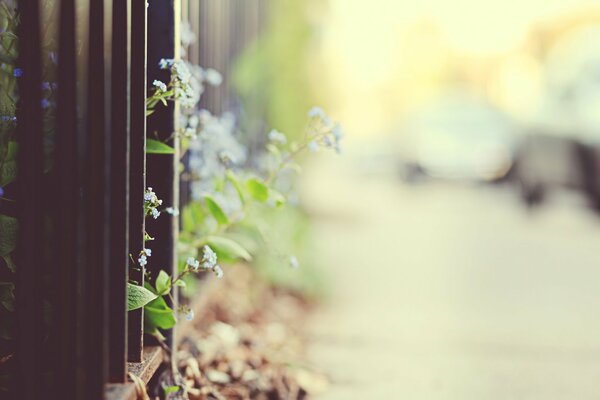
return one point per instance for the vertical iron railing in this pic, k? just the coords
(85, 209)
(137, 167)
(97, 202)
(30, 200)
(162, 176)
(67, 206)
(119, 191)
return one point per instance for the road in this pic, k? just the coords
(452, 291)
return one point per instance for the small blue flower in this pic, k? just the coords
(193, 263)
(165, 63)
(209, 257)
(218, 271)
(316, 112)
(143, 260)
(189, 315)
(49, 85)
(52, 56)
(1, 191)
(277, 137)
(45, 103)
(160, 85)
(17, 72)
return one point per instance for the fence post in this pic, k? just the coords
(162, 169)
(29, 198)
(137, 182)
(96, 203)
(119, 190)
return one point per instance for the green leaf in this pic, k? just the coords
(138, 296)
(181, 283)
(10, 263)
(157, 314)
(278, 198)
(227, 249)
(192, 216)
(157, 147)
(8, 238)
(257, 190)
(11, 153)
(232, 178)
(7, 296)
(8, 172)
(216, 211)
(163, 283)
(170, 389)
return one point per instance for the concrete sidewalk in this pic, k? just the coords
(453, 291)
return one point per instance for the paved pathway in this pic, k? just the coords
(453, 291)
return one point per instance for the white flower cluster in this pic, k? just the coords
(277, 137)
(294, 263)
(188, 37)
(216, 149)
(160, 85)
(324, 133)
(151, 203)
(174, 211)
(207, 262)
(143, 258)
(187, 80)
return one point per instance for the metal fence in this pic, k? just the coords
(81, 213)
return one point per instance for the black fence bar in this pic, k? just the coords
(67, 207)
(30, 200)
(137, 166)
(119, 202)
(96, 192)
(162, 168)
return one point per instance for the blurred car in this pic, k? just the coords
(562, 146)
(459, 137)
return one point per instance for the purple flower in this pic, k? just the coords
(48, 85)
(45, 103)
(1, 191)
(18, 72)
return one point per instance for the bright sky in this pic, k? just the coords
(385, 56)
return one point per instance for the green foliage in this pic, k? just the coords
(156, 147)
(10, 263)
(272, 75)
(277, 197)
(170, 389)
(216, 211)
(228, 223)
(138, 296)
(257, 190)
(8, 227)
(235, 182)
(228, 250)
(7, 296)
(158, 315)
(163, 283)
(192, 216)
